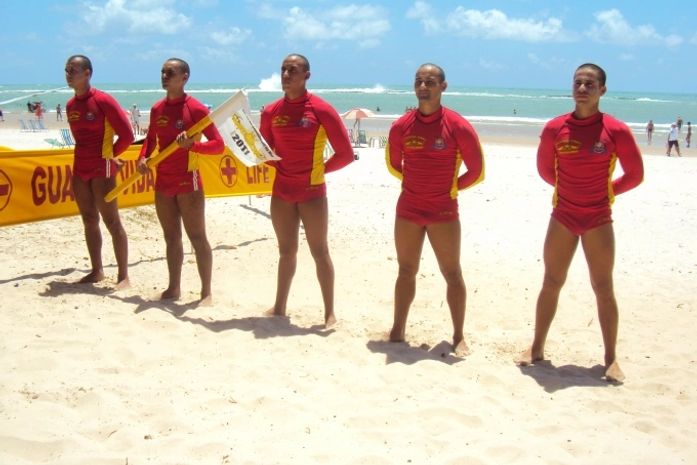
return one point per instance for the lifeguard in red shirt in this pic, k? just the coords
(577, 155)
(297, 127)
(95, 118)
(425, 150)
(178, 188)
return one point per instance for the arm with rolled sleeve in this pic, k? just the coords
(265, 130)
(472, 156)
(214, 144)
(546, 163)
(150, 142)
(338, 138)
(629, 157)
(393, 152)
(119, 122)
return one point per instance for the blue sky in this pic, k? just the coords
(644, 46)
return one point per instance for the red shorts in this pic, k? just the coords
(90, 168)
(580, 223)
(297, 193)
(423, 213)
(181, 183)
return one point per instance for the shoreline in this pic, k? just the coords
(490, 133)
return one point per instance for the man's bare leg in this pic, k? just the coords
(409, 240)
(192, 207)
(599, 249)
(315, 217)
(110, 215)
(560, 245)
(89, 213)
(170, 219)
(286, 223)
(445, 240)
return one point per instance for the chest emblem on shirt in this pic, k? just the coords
(90, 116)
(162, 121)
(74, 115)
(280, 121)
(179, 124)
(304, 122)
(566, 147)
(599, 147)
(414, 142)
(439, 144)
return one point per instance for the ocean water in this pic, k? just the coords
(485, 105)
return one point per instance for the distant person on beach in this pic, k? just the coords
(678, 122)
(2, 117)
(673, 139)
(135, 119)
(576, 155)
(294, 127)
(59, 113)
(425, 149)
(95, 117)
(688, 136)
(178, 189)
(39, 112)
(649, 131)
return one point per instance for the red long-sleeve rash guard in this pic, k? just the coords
(426, 152)
(578, 157)
(168, 118)
(297, 130)
(94, 119)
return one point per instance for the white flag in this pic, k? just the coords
(235, 125)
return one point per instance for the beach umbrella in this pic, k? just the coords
(357, 114)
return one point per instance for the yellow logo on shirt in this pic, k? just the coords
(414, 142)
(162, 121)
(566, 147)
(280, 121)
(74, 115)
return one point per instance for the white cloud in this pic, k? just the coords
(627, 57)
(611, 27)
(232, 36)
(495, 24)
(423, 12)
(490, 65)
(364, 24)
(694, 39)
(142, 16)
(533, 58)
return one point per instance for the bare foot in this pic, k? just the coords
(614, 373)
(170, 294)
(272, 312)
(205, 302)
(527, 358)
(93, 277)
(461, 349)
(123, 284)
(329, 321)
(396, 336)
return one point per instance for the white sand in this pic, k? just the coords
(90, 377)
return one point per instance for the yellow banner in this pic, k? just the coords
(37, 184)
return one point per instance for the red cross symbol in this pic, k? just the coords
(228, 171)
(5, 190)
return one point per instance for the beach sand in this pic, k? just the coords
(95, 377)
